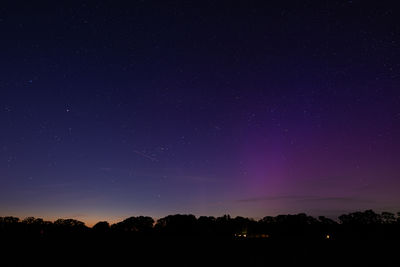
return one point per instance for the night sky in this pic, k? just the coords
(251, 108)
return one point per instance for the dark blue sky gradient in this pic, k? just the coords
(109, 110)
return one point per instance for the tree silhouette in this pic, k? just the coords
(355, 225)
(206, 225)
(69, 226)
(10, 220)
(268, 220)
(70, 223)
(362, 218)
(326, 221)
(35, 226)
(388, 217)
(101, 227)
(141, 224)
(177, 224)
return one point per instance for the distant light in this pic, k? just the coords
(327, 236)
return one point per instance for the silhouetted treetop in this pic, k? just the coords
(69, 223)
(366, 217)
(33, 221)
(388, 217)
(327, 221)
(9, 220)
(135, 224)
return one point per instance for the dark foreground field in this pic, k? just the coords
(188, 251)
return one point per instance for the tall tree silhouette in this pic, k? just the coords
(141, 224)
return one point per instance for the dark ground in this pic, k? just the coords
(181, 251)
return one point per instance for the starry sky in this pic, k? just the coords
(112, 109)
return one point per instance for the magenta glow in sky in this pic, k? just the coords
(253, 109)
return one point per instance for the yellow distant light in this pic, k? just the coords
(328, 236)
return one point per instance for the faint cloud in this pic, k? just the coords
(305, 199)
(268, 198)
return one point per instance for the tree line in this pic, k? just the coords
(366, 224)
